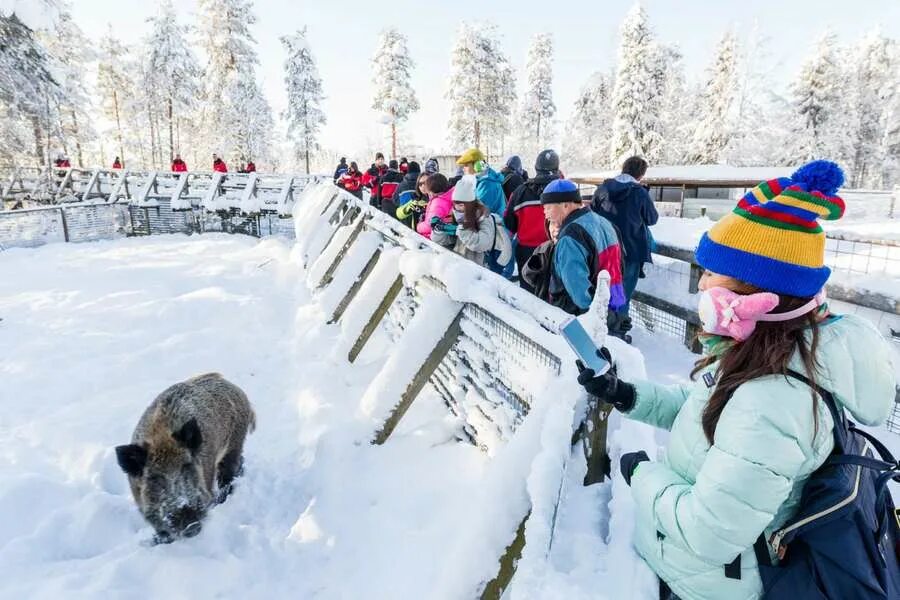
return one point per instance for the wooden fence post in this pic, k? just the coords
(354, 289)
(329, 273)
(375, 319)
(496, 586)
(420, 379)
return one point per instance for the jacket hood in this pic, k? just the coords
(855, 365)
(490, 175)
(514, 164)
(618, 189)
(411, 177)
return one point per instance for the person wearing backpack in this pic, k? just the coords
(476, 230)
(755, 426)
(627, 205)
(524, 216)
(513, 175)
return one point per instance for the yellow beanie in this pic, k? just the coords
(470, 156)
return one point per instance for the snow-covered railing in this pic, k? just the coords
(488, 349)
(76, 222)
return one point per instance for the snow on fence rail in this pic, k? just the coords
(489, 349)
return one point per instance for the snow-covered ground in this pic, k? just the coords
(92, 332)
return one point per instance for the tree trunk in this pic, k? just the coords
(477, 133)
(38, 139)
(171, 133)
(152, 137)
(307, 159)
(77, 142)
(119, 127)
(538, 137)
(393, 133)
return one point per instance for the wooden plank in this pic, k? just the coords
(420, 379)
(694, 282)
(354, 289)
(497, 586)
(673, 309)
(328, 277)
(598, 462)
(677, 253)
(95, 175)
(375, 319)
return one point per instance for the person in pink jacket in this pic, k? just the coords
(440, 202)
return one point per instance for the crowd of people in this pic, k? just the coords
(752, 497)
(537, 230)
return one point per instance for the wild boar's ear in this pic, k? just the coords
(189, 435)
(132, 459)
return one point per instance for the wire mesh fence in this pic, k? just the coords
(861, 257)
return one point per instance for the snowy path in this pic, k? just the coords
(92, 332)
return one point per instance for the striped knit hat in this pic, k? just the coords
(772, 238)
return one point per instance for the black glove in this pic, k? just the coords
(629, 462)
(607, 387)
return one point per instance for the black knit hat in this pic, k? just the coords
(559, 191)
(547, 160)
(392, 164)
(414, 167)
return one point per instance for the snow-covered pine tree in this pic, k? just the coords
(172, 75)
(28, 90)
(818, 100)
(890, 142)
(114, 87)
(537, 110)
(716, 102)
(875, 71)
(587, 130)
(254, 123)
(394, 94)
(636, 104)
(481, 89)
(304, 91)
(70, 55)
(228, 45)
(678, 106)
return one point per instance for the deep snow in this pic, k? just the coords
(92, 332)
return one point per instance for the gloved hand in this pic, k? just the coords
(438, 225)
(607, 387)
(629, 463)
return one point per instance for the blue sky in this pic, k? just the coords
(343, 34)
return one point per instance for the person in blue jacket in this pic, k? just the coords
(490, 183)
(627, 205)
(586, 245)
(744, 435)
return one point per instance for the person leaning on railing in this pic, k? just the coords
(744, 436)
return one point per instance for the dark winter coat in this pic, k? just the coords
(340, 170)
(524, 215)
(627, 205)
(511, 182)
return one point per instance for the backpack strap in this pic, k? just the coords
(837, 414)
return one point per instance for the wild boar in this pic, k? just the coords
(186, 450)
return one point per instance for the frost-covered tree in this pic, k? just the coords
(890, 141)
(875, 72)
(537, 110)
(587, 130)
(713, 128)
(253, 122)
(28, 90)
(481, 89)
(172, 75)
(394, 94)
(678, 106)
(818, 100)
(304, 91)
(70, 55)
(231, 59)
(114, 87)
(637, 95)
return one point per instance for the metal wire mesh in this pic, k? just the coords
(893, 422)
(657, 321)
(863, 257)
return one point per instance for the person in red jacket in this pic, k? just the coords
(219, 164)
(117, 164)
(524, 216)
(250, 168)
(351, 180)
(370, 179)
(178, 165)
(62, 162)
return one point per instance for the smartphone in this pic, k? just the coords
(583, 345)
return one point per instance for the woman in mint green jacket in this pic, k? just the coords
(745, 436)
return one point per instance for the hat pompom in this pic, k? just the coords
(820, 176)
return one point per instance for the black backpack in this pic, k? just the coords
(844, 541)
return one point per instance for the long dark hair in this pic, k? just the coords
(471, 213)
(767, 351)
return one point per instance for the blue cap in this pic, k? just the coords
(560, 190)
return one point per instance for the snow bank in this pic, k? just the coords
(708, 174)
